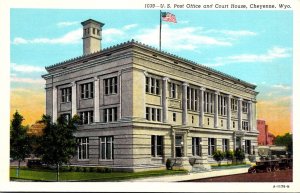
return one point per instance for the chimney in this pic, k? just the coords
(92, 36)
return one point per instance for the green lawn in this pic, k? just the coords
(46, 175)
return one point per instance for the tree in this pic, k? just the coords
(58, 144)
(218, 156)
(229, 155)
(239, 154)
(285, 140)
(19, 140)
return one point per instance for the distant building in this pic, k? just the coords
(36, 129)
(264, 137)
(139, 106)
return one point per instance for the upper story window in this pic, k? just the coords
(234, 104)
(245, 125)
(173, 90)
(110, 114)
(153, 114)
(87, 90)
(111, 85)
(86, 117)
(152, 85)
(209, 102)
(192, 98)
(222, 105)
(66, 94)
(245, 107)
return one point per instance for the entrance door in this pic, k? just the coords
(179, 145)
(238, 143)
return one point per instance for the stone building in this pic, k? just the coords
(140, 106)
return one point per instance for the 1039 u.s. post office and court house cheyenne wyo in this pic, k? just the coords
(140, 106)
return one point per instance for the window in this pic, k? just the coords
(221, 123)
(245, 107)
(87, 90)
(98, 32)
(192, 99)
(173, 90)
(83, 148)
(106, 148)
(211, 146)
(111, 85)
(222, 105)
(245, 125)
(207, 121)
(247, 146)
(233, 124)
(196, 146)
(153, 114)
(225, 145)
(152, 85)
(192, 119)
(174, 117)
(94, 31)
(110, 114)
(179, 146)
(66, 95)
(234, 104)
(156, 146)
(86, 117)
(209, 102)
(67, 116)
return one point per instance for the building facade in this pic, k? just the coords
(140, 106)
(264, 137)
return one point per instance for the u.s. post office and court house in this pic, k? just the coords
(140, 106)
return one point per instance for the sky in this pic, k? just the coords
(254, 46)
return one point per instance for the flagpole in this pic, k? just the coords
(159, 30)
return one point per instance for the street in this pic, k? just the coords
(278, 176)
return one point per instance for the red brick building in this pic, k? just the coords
(264, 137)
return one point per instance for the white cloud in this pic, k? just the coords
(26, 68)
(238, 33)
(187, 38)
(71, 37)
(269, 56)
(130, 26)
(27, 80)
(67, 23)
(282, 87)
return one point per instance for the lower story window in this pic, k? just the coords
(156, 146)
(83, 148)
(196, 146)
(225, 145)
(107, 148)
(211, 146)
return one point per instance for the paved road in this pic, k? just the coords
(279, 176)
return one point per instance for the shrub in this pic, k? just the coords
(100, 170)
(229, 155)
(93, 169)
(251, 158)
(72, 169)
(107, 170)
(80, 169)
(218, 156)
(239, 155)
(169, 164)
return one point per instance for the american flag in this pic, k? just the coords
(169, 17)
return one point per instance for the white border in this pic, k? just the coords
(5, 185)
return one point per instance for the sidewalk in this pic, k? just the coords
(192, 176)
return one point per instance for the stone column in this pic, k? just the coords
(165, 99)
(240, 113)
(54, 105)
(96, 100)
(184, 103)
(201, 107)
(216, 116)
(74, 98)
(250, 115)
(229, 112)
(254, 119)
(120, 92)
